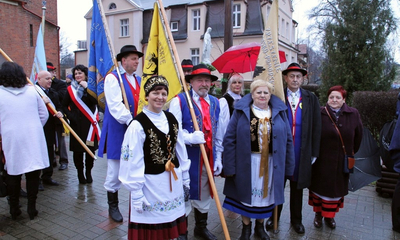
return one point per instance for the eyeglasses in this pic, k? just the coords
(295, 76)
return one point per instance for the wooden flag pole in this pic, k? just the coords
(276, 219)
(54, 111)
(112, 51)
(195, 124)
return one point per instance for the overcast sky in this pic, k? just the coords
(73, 24)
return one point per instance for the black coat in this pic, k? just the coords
(78, 122)
(50, 126)
(328, 178)
(311, 135)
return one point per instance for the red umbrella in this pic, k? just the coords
(241, 58)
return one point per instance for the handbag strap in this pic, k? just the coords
(337, 129)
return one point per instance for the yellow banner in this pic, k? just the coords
(159, 59)
(268, 64)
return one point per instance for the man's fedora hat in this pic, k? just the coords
(50, 66)
(187, 65)
(294, 67)
(127, 49)
(201, 69)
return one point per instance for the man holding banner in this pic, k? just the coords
(207, 111)
(117, 118)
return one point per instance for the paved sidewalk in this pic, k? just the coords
(74, 211)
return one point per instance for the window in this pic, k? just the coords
(196, 19)
(31, 35)
(287, 30)
(236, 15)
(174, 26)
(195, 55)
(112, 6)
(282, 32)
(124, 28)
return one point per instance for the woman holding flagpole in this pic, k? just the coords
(81, 110)
(155, 169)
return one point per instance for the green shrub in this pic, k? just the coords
(375, 108)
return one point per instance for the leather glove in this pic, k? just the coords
(186, 189)
(197, 137)
(217, 164)
(138, 204)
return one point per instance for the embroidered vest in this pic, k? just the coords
(158, 147)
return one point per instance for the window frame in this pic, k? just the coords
(196, 19)
(172, 26)
(195, 55)
(124, 27)
(236, 15)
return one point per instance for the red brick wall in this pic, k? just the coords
(15, 31)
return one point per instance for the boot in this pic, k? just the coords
(113, 209)
(89, 166)
(246, 231)
(78, 161)
(318, 220)
(259, 231)
(13, 189)
(200, 229)
(32, 184)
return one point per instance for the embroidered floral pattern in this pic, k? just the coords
(156, 152)
(253, 127)
(257, 192)
(165, 206)
(126, 153)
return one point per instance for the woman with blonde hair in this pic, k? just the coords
(258, 153)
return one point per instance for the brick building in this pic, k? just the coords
(20, 21)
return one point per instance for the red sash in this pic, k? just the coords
(94, 130)
(134, 91)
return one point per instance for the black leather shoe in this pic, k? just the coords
(269, 225)
(50, 182)
(204, 233)
(298, 227)
(330, 222)
(318, 220)
(63, 166)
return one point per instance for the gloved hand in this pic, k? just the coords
(138, 204)
(197, 137)
(186, 189)
(217, 164)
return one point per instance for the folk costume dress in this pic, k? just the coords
(258, 153)
(150, 141)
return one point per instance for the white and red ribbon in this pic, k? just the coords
(94, 129)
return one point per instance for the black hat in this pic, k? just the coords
(201, 69)
(125, 50)
(294, 67)
(50, 66)
(187, 65)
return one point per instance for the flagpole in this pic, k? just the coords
(54, 111)
(195, 124)
(112, 51)
(43, 16)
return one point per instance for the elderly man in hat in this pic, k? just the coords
(116, 120)
(60, 87)
(207, 110)
(305, 118)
